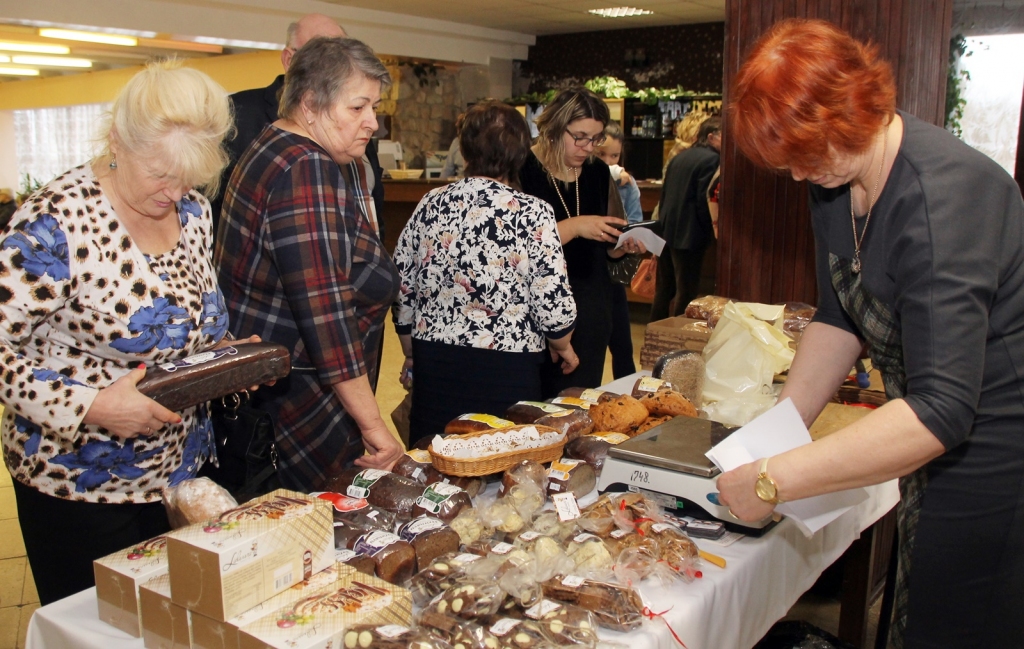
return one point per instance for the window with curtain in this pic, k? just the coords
(49, 141)
(993, 94)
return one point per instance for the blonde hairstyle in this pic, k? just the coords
(569, 106)
(686, 133)
(176, 112)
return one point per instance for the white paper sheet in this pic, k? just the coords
(779, 430)
(653, 242)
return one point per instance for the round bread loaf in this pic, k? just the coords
(620, 415)
(668, 403)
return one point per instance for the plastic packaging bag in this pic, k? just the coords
(443, 573)
(196, 500)
(469, 599)
(615, 607)
(453, 630)
(745, 352)
(362, 636)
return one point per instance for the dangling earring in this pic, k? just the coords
(113, 161)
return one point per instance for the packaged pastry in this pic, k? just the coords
(675, 548)
(593, 448)
(391, 636)
(796, 317)
(598, 518)
(564, 624)
(615, 607)
(416, 464)
(548, 524)
(572, 422)
(517, 633)
(591, 395)
(572, 476)
(472, 486)
(395, 558)
(649, 385)
(456, 631)
(430, 538)
(383, 489)
(360, 562)
(668, 402)
(620, 415)
(196, 500)
(708, 308)
(501, 515)
(469, 599)
(474, 422)
(442, 500)
(527, 412)
(469, 526)
(358, 511)
(618, 540)
(685, 369)
(439, 575)
(590, 555)
(526, 470)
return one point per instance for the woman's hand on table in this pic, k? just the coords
(225, 342)
(597, 228)
(736, 491)
(125, 412)
(383, 450)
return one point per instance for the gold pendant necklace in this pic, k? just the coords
(554, 181)
(855, 267)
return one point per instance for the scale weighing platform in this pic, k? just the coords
(668, 463)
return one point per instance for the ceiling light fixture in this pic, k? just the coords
(89, 37)
(52, 61)
(5, 59)
(35, 48)
(229, 42)
(620, 12)
(19, 72)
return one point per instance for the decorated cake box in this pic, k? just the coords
(319, 620)
(118, 577)
(165, 625)
(245, 556)
(208, 633)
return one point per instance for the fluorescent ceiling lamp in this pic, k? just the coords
(5, 59)
(19, 72)
(53, 61)
(620, 12)
(35, 48)
(228, 42)
(89, 37)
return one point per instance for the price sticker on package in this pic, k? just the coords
(566, 506)
(573, 581)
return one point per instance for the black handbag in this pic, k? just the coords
(624, 268)
(246, 454)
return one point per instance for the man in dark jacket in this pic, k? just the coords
(686, 221)
(256, 108)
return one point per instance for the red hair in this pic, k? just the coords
(806, 92)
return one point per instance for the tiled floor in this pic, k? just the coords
(18, 598)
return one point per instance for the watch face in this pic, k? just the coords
(766, 490)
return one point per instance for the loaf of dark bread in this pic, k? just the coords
(591, 395)
(358, 511)
(646, 385)
(395, 558)
(416, 464)
(430, 538)
(573, 422)
(593, 448)
(345, 535)
(474, 422)
(573, 476)
(180, 384)
(525, 470)
(442, 500)
(528, 412)
(383, 489)
(360, 562)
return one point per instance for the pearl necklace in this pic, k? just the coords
(554, 181)
(871, 203)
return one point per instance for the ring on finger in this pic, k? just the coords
(733, 515)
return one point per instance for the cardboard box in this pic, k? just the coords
(165, 625)
(208, 633)
(319, 620)
(672, 334)
(118, 577)
(245, 556)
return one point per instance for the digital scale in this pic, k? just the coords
(668, 464)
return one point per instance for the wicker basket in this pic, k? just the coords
(470, 468)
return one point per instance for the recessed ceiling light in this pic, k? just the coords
(620, 12)
(89, 37)
(53, 61)
(19, 72)
(228, 42)
(35, 48)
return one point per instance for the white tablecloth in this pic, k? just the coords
(729, 608)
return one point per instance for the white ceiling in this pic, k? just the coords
(540, 17)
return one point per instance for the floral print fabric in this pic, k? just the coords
(80, 306)
(482, 266)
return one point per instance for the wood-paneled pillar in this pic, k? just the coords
(766, 249)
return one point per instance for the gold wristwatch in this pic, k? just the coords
(766, 488)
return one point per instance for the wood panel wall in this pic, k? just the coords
(766, 248)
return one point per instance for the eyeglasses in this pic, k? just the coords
(584, 141)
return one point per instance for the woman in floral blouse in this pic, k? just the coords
(484, 288)
(105, 269)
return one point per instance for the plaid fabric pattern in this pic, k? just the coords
(362, 175)
(880, 328)
(300, 265)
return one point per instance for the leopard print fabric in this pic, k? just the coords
(80, 305)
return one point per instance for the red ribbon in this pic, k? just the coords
(649, 614)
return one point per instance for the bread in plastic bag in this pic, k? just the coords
(196, 500)
(391, 636)
(614, 606)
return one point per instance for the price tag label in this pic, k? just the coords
(502, 627)
(573, 581)
(542, 608)
(566, 506)
(502, 548)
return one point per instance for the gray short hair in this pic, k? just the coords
(322, 68)
(290, 37)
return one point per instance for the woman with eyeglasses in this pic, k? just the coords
(564, 172)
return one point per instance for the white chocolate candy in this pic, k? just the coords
(351, 638)
(365, 639)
